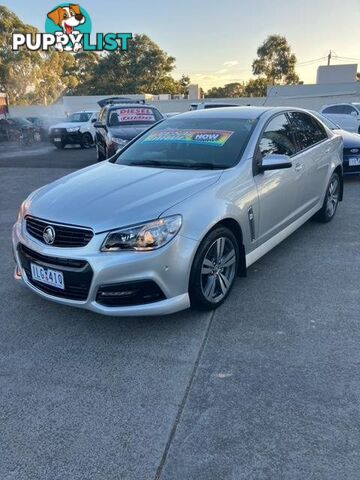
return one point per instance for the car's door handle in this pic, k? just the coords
(299, 167)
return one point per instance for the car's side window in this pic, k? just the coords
(348, 109)
(335, 109)
(307, 130)
(277, 138)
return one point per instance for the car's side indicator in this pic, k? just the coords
(251, 223)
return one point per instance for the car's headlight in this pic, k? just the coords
(22, 211)
(73, 129)
(144, 237)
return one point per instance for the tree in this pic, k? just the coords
(184, 84)
(230, 90)
(275, 61)
(143, 68)
(256, 88)
(31, 76)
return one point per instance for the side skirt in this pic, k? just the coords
(260, 251)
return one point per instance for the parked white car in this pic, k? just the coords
(77, 129)
(346, 115)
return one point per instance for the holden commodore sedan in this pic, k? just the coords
(171, 220)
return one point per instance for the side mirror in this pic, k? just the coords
(93, 120)
(354, 114)
(100, 125)
(275, 162)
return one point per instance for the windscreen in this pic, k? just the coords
(79, 117)
(191, 143)
(122, 116)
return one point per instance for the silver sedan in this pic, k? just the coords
(172, 219)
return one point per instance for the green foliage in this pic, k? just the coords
(230, 90)
(27, 76)
(275, 61)
(256, 88)
(143, 68)
(42, 77)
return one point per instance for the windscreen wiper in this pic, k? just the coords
(192, 166)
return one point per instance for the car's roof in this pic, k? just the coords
(248, 113)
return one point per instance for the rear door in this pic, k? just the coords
(312, 160)
(277, 189)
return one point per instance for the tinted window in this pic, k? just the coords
(307, 130)
(80, 117)
(340, 109)
(277, 138)
(121, 116)
(190, 143)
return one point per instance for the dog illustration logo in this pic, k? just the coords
(68, 21)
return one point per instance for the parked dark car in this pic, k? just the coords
(18, 129)
(43, 124)
(351, 162)
(119, 123)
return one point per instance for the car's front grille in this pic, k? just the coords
(77, 274)
(129, 294)
(349, 153)
(58, 131)
(65, 236)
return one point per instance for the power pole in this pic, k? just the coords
(329, 57)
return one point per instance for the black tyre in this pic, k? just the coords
(214, 269)
(331, 201)
(99, 156)
(60, 146)
(86, 140)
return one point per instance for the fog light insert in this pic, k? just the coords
(128, 294)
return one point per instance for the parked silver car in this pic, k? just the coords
(172, 219)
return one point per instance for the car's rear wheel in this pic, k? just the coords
(214, 269)
(86, 140)
(331, 201)
(60, 146)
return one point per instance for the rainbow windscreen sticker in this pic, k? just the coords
(215, 138)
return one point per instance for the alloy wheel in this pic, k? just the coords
(218, 270)
(332, 197)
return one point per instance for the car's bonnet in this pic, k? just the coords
(127, 132)
(67, 125)
(107, 196)
(350, 139)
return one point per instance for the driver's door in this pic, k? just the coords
(277, 189)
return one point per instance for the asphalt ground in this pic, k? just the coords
(267, 387)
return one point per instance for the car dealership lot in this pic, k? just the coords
(264, 388)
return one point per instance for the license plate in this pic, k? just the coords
(47, 276)
(354, 162)
(57, 139)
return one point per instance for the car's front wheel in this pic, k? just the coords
(86, 140)
(214, 269)
(331, 201)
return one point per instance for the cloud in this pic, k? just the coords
(231, 63)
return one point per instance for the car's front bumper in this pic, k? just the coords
(65, 138)
(168, 267)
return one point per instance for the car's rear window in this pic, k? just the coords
(190, 143)
(133, 116)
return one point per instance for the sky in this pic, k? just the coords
(215, 42)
